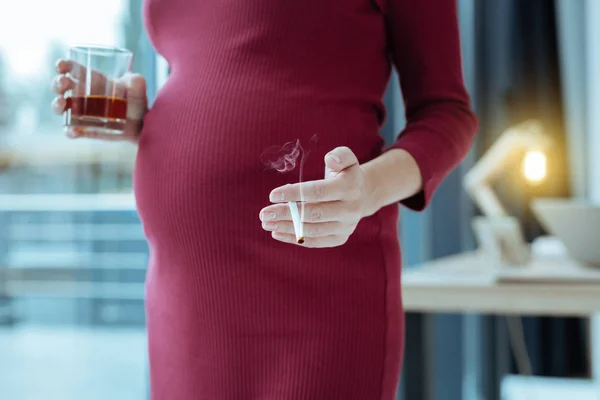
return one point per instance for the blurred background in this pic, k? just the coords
(73, 255)
(72, 251)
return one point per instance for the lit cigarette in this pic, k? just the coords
(298, 228)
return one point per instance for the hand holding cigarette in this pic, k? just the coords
(322, 213)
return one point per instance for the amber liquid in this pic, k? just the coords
(102, 112)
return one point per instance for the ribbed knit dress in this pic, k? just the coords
(233, 314)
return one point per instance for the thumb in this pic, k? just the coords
(338, 160)
(137, 100)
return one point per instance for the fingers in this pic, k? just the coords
(91, 133)
(79, 72)
(137, 100)
(62, 83)
(75, 132)
(69, 74)
(309, 230)
(331, 207)
(64, 66)
(59, 105)
(130, 133)
(314, 212)
(277, 212)
(339, 159)
(320, 242)
(329, 212)
(342, 187)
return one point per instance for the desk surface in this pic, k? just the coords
(469, 283)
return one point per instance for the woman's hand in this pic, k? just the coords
(332, 207)
(137, 102)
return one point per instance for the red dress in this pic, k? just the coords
(231, 313)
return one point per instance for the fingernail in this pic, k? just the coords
(335, 157)
(268, 216)
(276, 196)
(270, 226)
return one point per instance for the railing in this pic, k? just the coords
(75, 259)
(48, 149)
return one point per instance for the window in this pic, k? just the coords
(72, 252)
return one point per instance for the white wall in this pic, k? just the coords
(593, 154)
(593, 96)
(572, 35)
(579, 47)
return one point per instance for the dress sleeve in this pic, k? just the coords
(424, 44)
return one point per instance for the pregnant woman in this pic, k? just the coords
(236, 308)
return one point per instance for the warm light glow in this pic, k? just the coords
(534, 166)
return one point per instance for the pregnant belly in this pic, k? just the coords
(199, 169)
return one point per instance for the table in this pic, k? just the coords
(468, 282)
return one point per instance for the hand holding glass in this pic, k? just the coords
(101, 97)
(97, 100)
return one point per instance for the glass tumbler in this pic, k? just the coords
(98, 97)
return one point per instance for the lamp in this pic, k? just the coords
(497, 232)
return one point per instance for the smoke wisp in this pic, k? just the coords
(284, 158)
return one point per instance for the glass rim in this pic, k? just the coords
(99, 50)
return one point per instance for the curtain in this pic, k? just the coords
(580, 60)
(519, 77)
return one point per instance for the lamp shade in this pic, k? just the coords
(525, 139)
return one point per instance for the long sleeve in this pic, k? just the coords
(425, 47)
